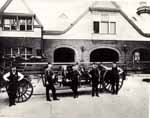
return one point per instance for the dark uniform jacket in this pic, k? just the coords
(13, 83)
(49, 77)
(115, 74)
(75, 77)
(95, 76)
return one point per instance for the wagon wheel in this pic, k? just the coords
(25, 91)
(107, 81)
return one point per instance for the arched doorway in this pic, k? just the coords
(141, 54)
(64, 54)
(104, 55)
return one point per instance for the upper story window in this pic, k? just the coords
(13, 24)
(112, 27)
(22, 24)
(29, 24)
(96, 26)
(104, 27)
(17, 23)
(6, 24)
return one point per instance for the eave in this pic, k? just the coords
(17, 14)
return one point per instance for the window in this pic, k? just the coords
(96, 26)
(6, 25)
(10, 23)
(26, 23)
(29, 24)
(17, 23)
(22, 52)
(13, 24)
(22, 24)
(8, 52)
(104, 27)
(26, 53)
(112, 28)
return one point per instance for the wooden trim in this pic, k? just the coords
(38, 21)
(104, 9)
(18, 14)
(10, 37)
(36, 26)
(5, 6)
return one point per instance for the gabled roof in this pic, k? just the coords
(17, 7)
(106, 6)
(103, 5)
(59, 17)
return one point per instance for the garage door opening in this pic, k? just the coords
(62, 55)
(104, 55)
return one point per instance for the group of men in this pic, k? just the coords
(74, 75)
(13, 77)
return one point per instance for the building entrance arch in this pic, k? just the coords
(104, 55)
(64, 54)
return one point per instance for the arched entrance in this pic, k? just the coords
(104, 55)
(64, 54)
(141, 54)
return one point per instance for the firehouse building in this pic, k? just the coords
(103, 32)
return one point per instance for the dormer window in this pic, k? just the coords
(96, 26)
(22, 24)
(104, 27)
(6, 24)
(112, 27)
(29, 24)
(13, 24)
(17, 23)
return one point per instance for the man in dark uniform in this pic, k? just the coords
(12, 78)
(115, 71)
(94, 73)
(49, 81)
(101, 69)
(75, 80)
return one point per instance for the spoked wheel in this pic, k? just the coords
(25, 91)
(107, 84)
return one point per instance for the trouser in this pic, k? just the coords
(95, 89)
(115, 87)
(75, 90)
(12, 91)
(53, 92)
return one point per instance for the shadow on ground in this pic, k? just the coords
(146, 80)
(81, 92)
